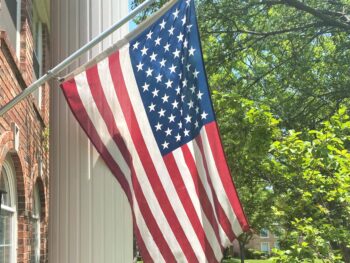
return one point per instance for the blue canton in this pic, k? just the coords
(169, 71)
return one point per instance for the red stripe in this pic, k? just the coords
(222, 217)
(146, 160)
(224, 172)
(71, 93)
(201, 192)
(106, 113)
(188, 205)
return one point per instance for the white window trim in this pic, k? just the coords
(9, 168)
(36, 216)
(18, 26)
(268, 247)
(268, 234)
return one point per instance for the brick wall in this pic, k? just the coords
(16, 75)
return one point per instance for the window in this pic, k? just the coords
(277, 244)
(35, 257)
(10, 21)
(264, 233)
(265, 247)
(8, 220)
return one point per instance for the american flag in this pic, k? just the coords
(147, 110)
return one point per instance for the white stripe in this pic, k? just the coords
(191, 189)
(155, 154)
(217, 185)
(197, 156)
(101, 128)
(119, 118)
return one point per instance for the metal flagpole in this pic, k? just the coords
(69, 60)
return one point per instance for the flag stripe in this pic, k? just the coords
(155, 158)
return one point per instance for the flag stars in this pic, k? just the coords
(155, 92)
(180, 37)
(184, 83)
(175, 104)
(149, 72)
(199, 95)
(139, 66)
(188, 66)
(165, 145)
(171, 31)
(152, 107)
(161, 113)
(193, 89)
(183, 20)
(190, 104)
(176, 13)
(195, 74)
(158, 126)
(186, 133)
(169, 84)
(159, 77)
(162, 25)
(188, 3)
(149, 35)
(144, 51)
(188, 118)
(196, 124)
(178, 137)
(185, 43)
(162, 63)
(166, 47)
(171, 118)
(136, 45)
(178, 90)
(153, 56)
(165, 98)
(191, 51)
(145, 87)
(176, 53)
(172, 68)
(188, 27)
(168, 132)
(180, 125)
(204, 115)
(157, 41)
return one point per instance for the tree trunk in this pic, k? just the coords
(241, 251)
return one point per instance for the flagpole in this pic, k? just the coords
(69, 60)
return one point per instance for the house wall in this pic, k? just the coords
(30, 159)
(90, 217)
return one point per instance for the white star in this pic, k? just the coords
(162, 63)
(188, 2)
(175, 104)
(180, 37)
(204, 115)
(149, 35)
(180, 125)
(145, 87)
(184, 83)
(193, 89)
(176, 13)
(168, 132)
(139, 66)
(191, 51)
(195, 73)
(149, 72)
(199, 95)
(182, 98)
(178, 137)
(157, 41)
(185, 43)
(176, 53)
(159, 78)
(166, 47)
(178, 90)
(172, 68)
(183, 20)
(196, 124)
(165, 98)
(197, 110)
(155, 92)
(182, 60)
(180, 75)
(165, 145)
(187, 132)
(188, 67)
(171, 31)
(161, 112)
(171, 118)
(144, 51)
(136, 45)
(168, 84)
(189, 28)
(151, 107)
(190, 104)
(158, 126)
(153, 56)
(162, 25)
(188, 118)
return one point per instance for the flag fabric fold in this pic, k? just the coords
(147, 110)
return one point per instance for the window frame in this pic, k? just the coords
(268, 247)
(36, 219)
(267, 233)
